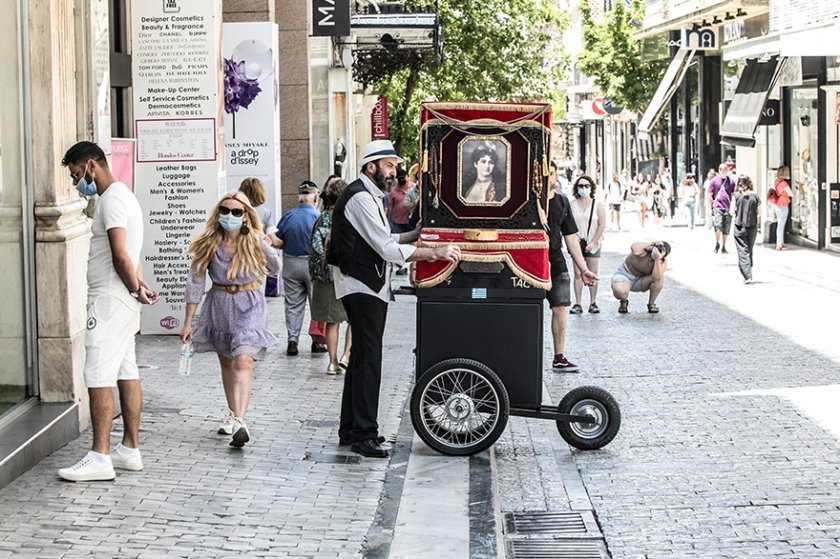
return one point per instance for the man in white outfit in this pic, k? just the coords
(116, 291)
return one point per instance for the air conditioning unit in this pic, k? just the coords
(396, 31)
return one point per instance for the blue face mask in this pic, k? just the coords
(230, 223)
(84, 187)
(584, 192)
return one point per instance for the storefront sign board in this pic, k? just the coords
(179, 165)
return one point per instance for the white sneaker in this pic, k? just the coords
(133, 461)
(240, 433)
(226, 424)
(88, 469)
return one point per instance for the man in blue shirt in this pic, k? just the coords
(294, 230)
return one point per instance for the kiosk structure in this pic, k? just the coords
(479, 353)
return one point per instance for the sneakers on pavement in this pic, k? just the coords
(240, 433)
(226, 424)
(563, 365)
(593, 308)
(88, 469)
(576, 309)
(126, 459)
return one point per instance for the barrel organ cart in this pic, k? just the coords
(479, 352)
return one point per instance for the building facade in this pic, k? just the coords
(68, 78)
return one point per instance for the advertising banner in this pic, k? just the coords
(330, 18)
(179, 160)
(252, 110)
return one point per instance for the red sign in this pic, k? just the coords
(598, 106)
(379, 119)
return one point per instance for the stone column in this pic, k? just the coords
(62, 232)
(294, 98)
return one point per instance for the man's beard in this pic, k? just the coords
(381, 180)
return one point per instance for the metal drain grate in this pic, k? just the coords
(556, 549)
(320, 458)
(554, 523)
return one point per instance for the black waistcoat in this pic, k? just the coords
(348, 250)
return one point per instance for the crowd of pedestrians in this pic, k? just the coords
(338, 250)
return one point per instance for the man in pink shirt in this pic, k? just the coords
(397, 211)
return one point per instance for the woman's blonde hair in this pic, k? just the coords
(783, 172)
(254, 189)
(248, 257)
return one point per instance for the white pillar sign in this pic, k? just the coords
(252, 110)
(176, 69)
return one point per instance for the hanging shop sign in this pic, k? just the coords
(379, 119)
(330, 18)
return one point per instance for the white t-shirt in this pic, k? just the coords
(116, 207)
(581, 217)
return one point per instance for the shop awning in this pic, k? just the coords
(751, 94)
(667, 87)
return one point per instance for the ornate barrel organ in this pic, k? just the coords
(484, 180)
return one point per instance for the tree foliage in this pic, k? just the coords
(614, 57)
(492, 50)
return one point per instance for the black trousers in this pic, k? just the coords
(360, 400)
(744, 242)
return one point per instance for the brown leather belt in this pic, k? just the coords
(252, 285)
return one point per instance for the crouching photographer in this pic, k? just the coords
(642, 270)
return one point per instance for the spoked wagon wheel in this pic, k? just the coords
(596, 403)
(459, 407)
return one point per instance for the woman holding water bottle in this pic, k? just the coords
(233, 321)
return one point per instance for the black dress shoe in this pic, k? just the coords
(318, 348)
(292, 349)
(346, 442)
(369, 448)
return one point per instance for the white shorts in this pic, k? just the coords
(109, 342)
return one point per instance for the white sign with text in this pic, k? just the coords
(176, 71)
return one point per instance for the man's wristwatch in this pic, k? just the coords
(136, 294)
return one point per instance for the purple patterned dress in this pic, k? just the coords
(231, 324)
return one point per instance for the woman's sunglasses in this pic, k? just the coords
(235, 212)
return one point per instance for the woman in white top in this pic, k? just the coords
(590, 218)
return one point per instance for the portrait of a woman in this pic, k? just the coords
(483, 181)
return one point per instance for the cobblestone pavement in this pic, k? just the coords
(729, 441)
(728, 447)
(287, 493)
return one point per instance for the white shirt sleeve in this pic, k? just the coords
(366, 217)
(114, 211)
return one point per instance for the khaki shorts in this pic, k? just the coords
(109, 342)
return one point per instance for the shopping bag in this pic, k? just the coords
(272, 286)
(318, 331)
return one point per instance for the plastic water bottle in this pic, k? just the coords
(187, 351)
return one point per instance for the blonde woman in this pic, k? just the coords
(233, 322)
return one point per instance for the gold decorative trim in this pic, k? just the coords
(444, 274)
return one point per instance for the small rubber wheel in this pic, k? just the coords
(596, 403)
(459, 407)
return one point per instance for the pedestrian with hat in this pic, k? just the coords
(294, 231)
(364, 253)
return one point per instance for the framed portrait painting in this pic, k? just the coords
(483, 171)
